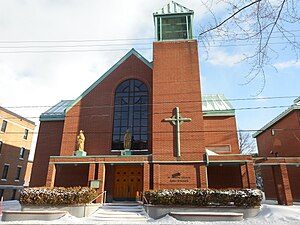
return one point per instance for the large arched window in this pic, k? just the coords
(131, 112)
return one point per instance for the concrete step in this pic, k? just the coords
(128, 211)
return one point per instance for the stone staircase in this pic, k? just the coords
(129, 212)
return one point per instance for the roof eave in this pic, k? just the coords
(219, 113)
(275, 120)
(107, 73)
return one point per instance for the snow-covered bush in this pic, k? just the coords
(57, 196)
(205, 197)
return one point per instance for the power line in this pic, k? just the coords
(157, 132)
(116, 39)
(182, 111)
(202, 101)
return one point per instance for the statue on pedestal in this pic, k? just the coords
(127, 140)
(80, 141)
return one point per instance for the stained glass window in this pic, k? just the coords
(131, 112)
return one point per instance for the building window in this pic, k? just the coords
(25, 134)
(22, 153)
(219, 148)
(18, 174)
(4, 124)
(1, 144)
(5, 172)
(131, 112)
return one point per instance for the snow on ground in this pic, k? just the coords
(270, 214)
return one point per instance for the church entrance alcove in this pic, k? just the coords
(71, 175)
(128, 180)
(224, 176)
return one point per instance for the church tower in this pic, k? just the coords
(177, 120)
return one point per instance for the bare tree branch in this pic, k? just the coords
(257, 23)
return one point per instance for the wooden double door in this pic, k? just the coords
(128, 180)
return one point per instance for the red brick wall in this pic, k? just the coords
(171, 176)
(94, 113)
(48, 144)
(176, 83)
(285, 142)
(221, 130)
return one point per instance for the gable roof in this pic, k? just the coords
(173, 8)
(107, 73)
(295, 106)
(58, 111)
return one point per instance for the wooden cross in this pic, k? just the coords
(177, 120)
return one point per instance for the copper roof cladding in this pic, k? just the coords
(216, 105)
(56, 112)
(173, 8)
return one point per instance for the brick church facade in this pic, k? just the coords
(179, 137)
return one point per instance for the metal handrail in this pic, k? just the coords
(104, 197)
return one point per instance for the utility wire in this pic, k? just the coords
(113, 39)
(202, 101)
(182, 112)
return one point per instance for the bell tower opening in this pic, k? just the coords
(173, 22)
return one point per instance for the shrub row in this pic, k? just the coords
(57, 196)
(205, 197)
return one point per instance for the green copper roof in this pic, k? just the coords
(295, 106)
(173, 8)
(56, 112)
(216, 105)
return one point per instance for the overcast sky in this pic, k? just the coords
(91, 35)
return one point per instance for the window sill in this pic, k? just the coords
(3, 179)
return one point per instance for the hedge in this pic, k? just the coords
(205, 197)
(57, 196)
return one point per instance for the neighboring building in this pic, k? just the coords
(28, 173)
(15, 142)
(179, 137)
(280, 138)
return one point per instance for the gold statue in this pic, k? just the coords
(80, 141)
(127, 140)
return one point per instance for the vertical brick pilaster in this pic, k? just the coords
(51, 175)
(251, 175)
(91, 175)
(248, 175)
(282, 185)
(244, 176)
(101, 177)
(203, 176)
(156, 176)
(146, 180)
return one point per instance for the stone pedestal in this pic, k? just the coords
(80, 153)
